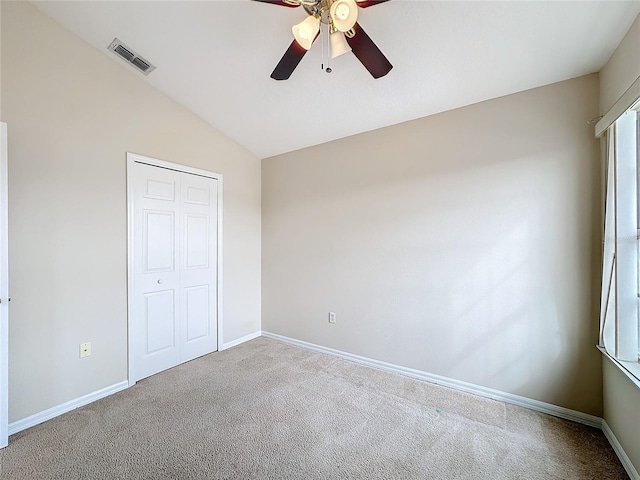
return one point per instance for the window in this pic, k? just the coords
(620, 305)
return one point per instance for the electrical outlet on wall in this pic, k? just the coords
(332, 317)
(85, 349)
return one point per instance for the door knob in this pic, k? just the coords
(159, 281)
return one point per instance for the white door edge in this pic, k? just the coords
(4, 291)
(133, 158)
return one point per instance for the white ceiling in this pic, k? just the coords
(215, 58)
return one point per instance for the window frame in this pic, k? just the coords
(621, 284)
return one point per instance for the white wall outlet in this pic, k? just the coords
(332, 317)
(85, 349)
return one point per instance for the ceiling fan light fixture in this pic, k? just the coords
(344, 14)
(339, 45)
(305, 32)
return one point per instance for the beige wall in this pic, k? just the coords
(621, 396)
(72, 115)
(463, 244)
(621, 410)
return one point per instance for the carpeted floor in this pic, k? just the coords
(268, 410)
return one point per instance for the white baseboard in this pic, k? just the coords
(52, 412)
(622, 455)
(510, 398)
(240, 340)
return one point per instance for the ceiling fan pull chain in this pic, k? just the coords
(322, 44)
(326, 42)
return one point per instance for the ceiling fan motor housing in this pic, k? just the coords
(341, 15)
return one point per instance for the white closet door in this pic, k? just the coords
(175, 268)
(198, 269)
(156, 270)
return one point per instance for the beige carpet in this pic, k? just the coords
(266, 409)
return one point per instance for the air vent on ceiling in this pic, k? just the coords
(131, 57)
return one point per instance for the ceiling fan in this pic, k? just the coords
(336, 20)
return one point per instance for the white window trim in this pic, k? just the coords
(630, 369)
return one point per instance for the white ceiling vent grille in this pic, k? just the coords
(131, 57)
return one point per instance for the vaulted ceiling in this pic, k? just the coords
(215, 58)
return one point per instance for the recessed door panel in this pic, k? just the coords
(197, 312)
(159, 232)
(197, 195)
(197, 241)
(160, 190)
(160, 321)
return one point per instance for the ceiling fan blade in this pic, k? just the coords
(369, 3)
(368, 53)
(288, 62)
(282, 3)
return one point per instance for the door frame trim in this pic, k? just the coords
(133, 158)
(4, 290)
